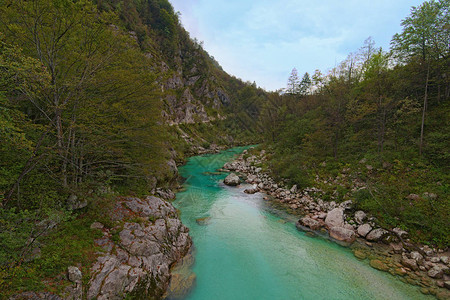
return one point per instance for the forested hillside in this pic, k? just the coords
(380, 120)
(98, 99)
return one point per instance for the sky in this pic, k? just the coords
(263, 40)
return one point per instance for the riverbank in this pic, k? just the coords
(386, 249)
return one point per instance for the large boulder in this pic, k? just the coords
(410, 263)
(436, 272)
(335, 218)
(364, 229)
(342, 234)
(310, 223)
(252, 190)
(376, 235)
(232, 180)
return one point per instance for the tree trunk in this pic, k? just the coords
(425, 103)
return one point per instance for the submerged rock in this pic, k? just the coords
(342, 234)
(379, 265)
(181, 285)
(359, 254)
(409, 263)
(203, 221)
(310, 223)
(232, 180)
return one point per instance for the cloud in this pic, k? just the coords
(262, 40)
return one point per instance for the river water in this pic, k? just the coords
(246, 252)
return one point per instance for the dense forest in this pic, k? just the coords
(98, 99)
(380, 118)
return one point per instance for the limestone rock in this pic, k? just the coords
(97, 225)
(252, 190)
(232, 180)
(335, 218)
(417, 257)
(180, 285)
(293, 190)
(397, 247)
(342, 234)
(143, 252)
(400, 271)
(400, 233)
(359, 254)
(364, 229)
(346, 204)
(203, 221)
(172, 165)
(360, 216)
(310, 223)
(376, 235)
(36, 296)
(251, 178)
(436, 272)
(166, 194)
(447, 284)
(410, 263)
(74, 274)
(73, 203)
(379, 265)
(322, 215)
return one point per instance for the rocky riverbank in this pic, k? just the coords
(140, 251)
(136, 256)
(387, 249)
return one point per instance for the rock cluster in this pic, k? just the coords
(232, 180)
(345, 225)
(140, 251)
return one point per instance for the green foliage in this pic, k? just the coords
(16, 229)
(374, 106)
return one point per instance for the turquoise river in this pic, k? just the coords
(247, 252)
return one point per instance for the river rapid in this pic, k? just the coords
(244, 250)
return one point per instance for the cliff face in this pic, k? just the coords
(194, 88)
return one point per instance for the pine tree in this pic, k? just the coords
(293, 85)
(305, 84)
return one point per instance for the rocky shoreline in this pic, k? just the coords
(138, 256)
(387, 249)
(140, 251)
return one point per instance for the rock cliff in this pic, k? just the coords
(139, 251)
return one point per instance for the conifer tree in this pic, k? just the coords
(293, 85)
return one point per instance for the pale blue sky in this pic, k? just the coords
(262, 40)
